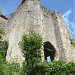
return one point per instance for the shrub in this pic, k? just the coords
(54, 68)
(30, 45)
(10, 69)
(2, 31)
(3, 45)
(3, 49)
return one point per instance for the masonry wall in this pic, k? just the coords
(48, 29)
(3, 22)
(63, 38)
(31, 16)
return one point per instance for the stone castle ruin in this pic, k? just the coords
(31, 15)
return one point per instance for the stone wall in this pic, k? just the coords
(48, 29)
(63, 38)
(3, 21)
(58, 36)
(31, 16)
(3, 24)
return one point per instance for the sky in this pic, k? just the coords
(65, 7)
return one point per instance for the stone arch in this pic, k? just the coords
(49, 50)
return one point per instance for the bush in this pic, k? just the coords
(30, 45)
(3, 50)
(10, 69)
(54, 68)
(3, 45)
(2, 31)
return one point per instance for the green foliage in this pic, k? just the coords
(39, 69)
(3, 45)
(10, 69)
(54, 68)
(3, 50)
(2, 31)
(30, 45)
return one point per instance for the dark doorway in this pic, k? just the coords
(49, 50)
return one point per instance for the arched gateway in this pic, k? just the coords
(49, 50)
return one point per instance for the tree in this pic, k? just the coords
(30, 45)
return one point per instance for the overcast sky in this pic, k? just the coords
(65, 7)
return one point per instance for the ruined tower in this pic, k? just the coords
(31, 15)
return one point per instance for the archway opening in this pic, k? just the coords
(49, 51)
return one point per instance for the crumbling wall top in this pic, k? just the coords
(45, 11)
(2, 16)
